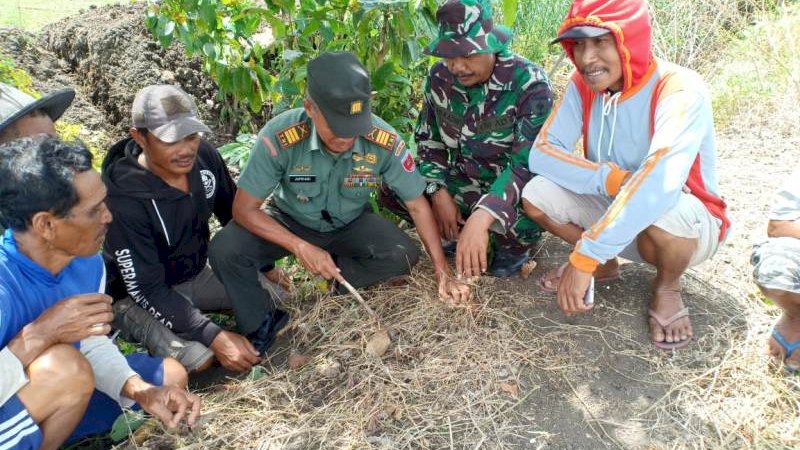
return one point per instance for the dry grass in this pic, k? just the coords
(451, 377)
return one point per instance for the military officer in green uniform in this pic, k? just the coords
(483, 107)
(320, 163)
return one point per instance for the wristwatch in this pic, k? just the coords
(432, 187)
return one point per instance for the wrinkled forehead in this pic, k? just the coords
(90, 188)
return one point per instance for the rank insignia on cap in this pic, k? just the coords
(383, 138)
(293, 134)
(356, 107)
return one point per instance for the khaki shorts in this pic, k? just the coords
(688, 219)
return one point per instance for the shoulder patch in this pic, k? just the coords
(293, 134)
(385, 139)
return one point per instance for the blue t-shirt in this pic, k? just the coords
(27, 289)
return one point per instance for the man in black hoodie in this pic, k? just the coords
(164, 182)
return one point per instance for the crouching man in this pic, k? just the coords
(62, 378)
(645, 187)
(320, 163)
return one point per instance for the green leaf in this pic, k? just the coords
(256, 373)
(209, 50)
(127, 422)
(509, 12)
(380, 76)
(169, 27)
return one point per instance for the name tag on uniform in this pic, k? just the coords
(494, 123)
(302, 178)
(449, 117)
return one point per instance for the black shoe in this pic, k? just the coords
(264, 336)
(506, 264)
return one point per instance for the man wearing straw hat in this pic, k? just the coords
(483, 107)
(320, 163)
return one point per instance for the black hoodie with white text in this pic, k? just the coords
(159, 235)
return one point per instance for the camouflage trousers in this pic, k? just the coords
(776, 264)
(517, 239)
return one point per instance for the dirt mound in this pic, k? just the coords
(112, 55)
(48, 74)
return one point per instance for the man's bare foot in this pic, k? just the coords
(788, 328)
(603, 274)
(670, 327)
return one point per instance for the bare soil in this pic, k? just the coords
(107, 55)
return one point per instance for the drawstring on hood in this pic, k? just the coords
(629, 23)
(609, 102)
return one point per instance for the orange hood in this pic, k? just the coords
(628, 21)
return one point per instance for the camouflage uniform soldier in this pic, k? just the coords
(484, 106)
(320, 163)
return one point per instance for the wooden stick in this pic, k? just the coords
(360, 299)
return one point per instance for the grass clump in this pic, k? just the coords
(12, 75)
(758, 77)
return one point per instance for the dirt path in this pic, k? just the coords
(616, 390)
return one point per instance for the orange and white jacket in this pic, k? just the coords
(642, 146)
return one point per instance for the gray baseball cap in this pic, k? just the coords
(580, 32)
(15, 104)
(167, 112)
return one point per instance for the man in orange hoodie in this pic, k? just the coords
(645, 187)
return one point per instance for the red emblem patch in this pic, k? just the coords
(408, 163)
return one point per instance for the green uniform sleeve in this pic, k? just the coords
(265, 167)
(401, 174)
(433, 154)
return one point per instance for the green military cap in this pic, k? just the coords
(466, 28)
(339, 85)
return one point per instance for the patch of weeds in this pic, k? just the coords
(304, 283)
(11, 74)
(129, 348)
(237, 152)
(225, 320)
(95, 141)
(760, 73)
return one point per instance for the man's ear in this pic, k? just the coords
(139, 137)
(43, 224)
(308, 106)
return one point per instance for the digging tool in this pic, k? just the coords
(360, 299)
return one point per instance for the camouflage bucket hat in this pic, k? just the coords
(466, 28)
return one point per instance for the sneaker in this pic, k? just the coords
(507, 263)
(264, 336)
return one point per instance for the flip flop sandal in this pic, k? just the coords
(664, 323)
(788, 349)
(556, 277)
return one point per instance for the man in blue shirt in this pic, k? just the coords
(67, 379)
